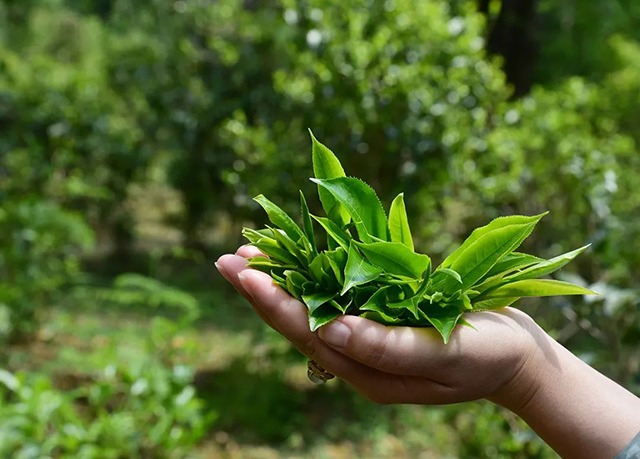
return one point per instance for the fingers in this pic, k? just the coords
(230, 266)
(398, 350)
(249, 251)
(290, 317)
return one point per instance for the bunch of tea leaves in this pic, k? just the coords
(370, 268)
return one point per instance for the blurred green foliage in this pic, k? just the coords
(132, 133)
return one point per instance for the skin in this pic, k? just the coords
(508, 360)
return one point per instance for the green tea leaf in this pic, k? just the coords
(362, 203)
(381, 318)
(279, 217)
(358, 270)
(271, 248)
(512, 262)
(307, 225)
(538, 287)
(322, 316)
(338, 261)
(443, 319)
(266, 264)
(334, 231)
(445, 280)
(285, 241)
(396, 258)
(496, 303)
(547, 266)
(498, 223)
(327, 166)
(399, 223)
(487, 250)
(315, 300)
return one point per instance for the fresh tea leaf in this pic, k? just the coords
(496, 303)
(399, 223)
(362, 203)
(396, 258)
(443, 319)
(327, 166)
(307, 225)
(334, 231)
(538, 287)
(315, 300)
(498, 223)
(547, 266)
(322, 316)
(279, 217)
(479, 257)
(512, 262)
(358, 270)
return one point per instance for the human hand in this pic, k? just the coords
(402, 364)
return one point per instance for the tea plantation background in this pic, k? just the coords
(133, 135)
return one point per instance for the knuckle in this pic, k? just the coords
(307, 346)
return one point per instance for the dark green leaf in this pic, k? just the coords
(358, 270)
(341, 237)
(399, 223)
(322, 316)
(307, 225)
(315, 300)
(362, 203)
(395, 258)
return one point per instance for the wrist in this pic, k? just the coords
(527, 382)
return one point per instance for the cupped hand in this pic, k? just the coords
(390, 364)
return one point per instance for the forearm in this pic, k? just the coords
(579, 412)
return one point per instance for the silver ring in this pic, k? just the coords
(317, 374)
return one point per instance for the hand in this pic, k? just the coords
(507, 359)
(400, 364)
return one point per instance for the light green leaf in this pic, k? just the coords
(512, 262)
(327, 166)
(399, 223)
(479, 257)
(307, 225)
(547, 266)
(285, 242)
(381, 318)
(315, 300)
(334, 231)
(538, 287)
(267, 264)
(358, 270)
(362, 203)
(396, 258)
(279, 217)
(498, 223)
(445, 280)
(443, 319)
(322, 316)
(271, 248)
(496, 303)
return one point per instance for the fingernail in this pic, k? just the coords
(335, 334)
(242, 276)
(217, 265)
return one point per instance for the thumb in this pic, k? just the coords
(398, 350)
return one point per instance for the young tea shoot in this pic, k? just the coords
(370, 267)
